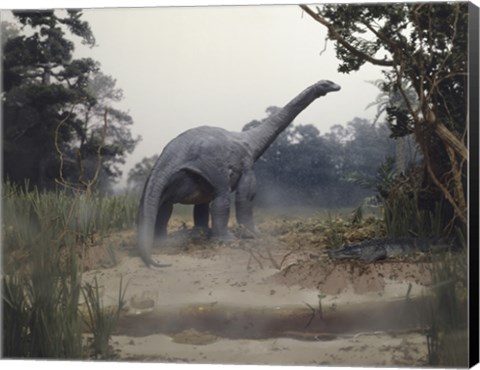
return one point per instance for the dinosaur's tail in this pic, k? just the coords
(147, 213)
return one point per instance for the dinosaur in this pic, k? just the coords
(203, 166)
(379, 249)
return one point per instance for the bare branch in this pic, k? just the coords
(59, 151)
(324, 46)
(88, 184)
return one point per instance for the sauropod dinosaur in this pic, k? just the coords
(203, 165)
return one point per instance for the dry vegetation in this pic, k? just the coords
(53, 239)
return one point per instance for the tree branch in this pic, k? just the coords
(461, 213)
(451, 140)
(343, 42)
(380, 35)
(62, 180)
(459, 195)
(89, 183)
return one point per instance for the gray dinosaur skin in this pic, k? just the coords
(204, 165)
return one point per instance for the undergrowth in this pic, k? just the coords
(447, 318)
(44, 235)
(405, 214)
(101, 320)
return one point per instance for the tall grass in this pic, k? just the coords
(403, 217)
(334, 234)
(101, 320)
(447, 319)
(43, 236)
(59, 219)
(447, 337)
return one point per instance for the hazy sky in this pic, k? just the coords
(222, 66)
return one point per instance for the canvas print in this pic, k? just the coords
(261, 184)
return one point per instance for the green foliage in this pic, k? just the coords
(334, 234)
(118, 140)
(403, 216)
(303, 167)
(76, 218)
(40, 297)
(15, 309)
(423, 50)
(400, 198)
(40, 317)
(138, 175)
(59, 217)
(381, 182)
(53, 102)
(43, 233)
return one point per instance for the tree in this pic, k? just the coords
(54, 106)
(8, 31)
(423, 47)
(367, 147)
(138, 175)
(303, 167)
(41, 83)
(114, 136)
(294, 169)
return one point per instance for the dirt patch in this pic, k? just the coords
(192, 336)
(334, 278)
(375, 349)
(276, 299)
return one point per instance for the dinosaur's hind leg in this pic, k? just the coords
(163, 216)
(244, 202)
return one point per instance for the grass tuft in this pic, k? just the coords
(99, 319)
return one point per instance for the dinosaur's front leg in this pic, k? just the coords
(244, 214)
(244, 202)
(220, 211)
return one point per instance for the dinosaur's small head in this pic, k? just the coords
(323, 87)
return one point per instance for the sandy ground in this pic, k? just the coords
(272, 300)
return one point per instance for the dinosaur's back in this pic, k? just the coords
(207, 148)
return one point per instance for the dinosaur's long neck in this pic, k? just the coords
(262, 136)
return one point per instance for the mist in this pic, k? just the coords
(221, 66)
